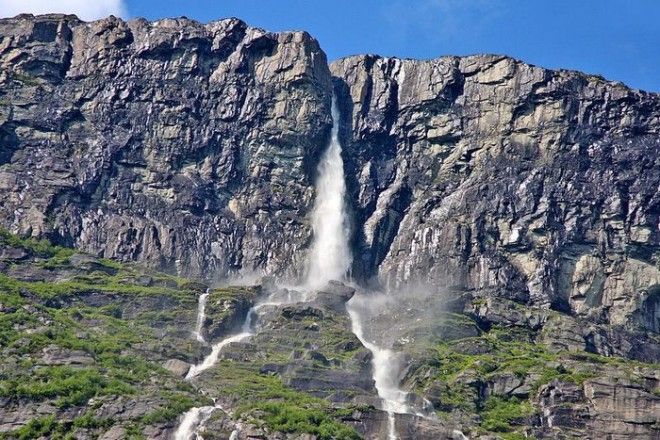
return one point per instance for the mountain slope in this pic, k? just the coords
(510, 211)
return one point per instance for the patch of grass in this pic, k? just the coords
(42, 248)
(292, 418)
(70, 387)
(82, 284)
(34, 429)
(265, 399)
(89, 421)
(176, 404)
(499, 413)
(563, 375)
(58, 259)
(457, 364)
(514, 436)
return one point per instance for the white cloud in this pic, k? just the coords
(85, 9)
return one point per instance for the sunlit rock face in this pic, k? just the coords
(483, 172)
(483, 192)
(185, 146)
(194, 148)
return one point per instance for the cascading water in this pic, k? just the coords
(212, 358)
(195, 418)
(192, 421)
(329, 259)
(330, 255)
(386, 366)
(201, 316)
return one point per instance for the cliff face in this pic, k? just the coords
(186, 146)
(192, 148)
(487, 173)
(521, 203)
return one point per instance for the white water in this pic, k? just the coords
(330, 255)
(192, 421)
(386, 366)
(329, 259)
(246, 332)
(195, 418)
(201, 316)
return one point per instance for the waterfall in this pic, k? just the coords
(201, 316)
(329, 259)
(195, 418)
(192, 421)
(212, 357)
(386, 367)
(330, 255)
(246, 331)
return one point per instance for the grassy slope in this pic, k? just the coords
(121, 322)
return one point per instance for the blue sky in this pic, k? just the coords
(619, 39)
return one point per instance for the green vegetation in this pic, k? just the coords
(52, 428)
(176, 404)
(26, 79)
(70, 386)
(266, 400)
(68, 342)
(37, 428)
(41, 248)
(86, 283)
(222, 302)
(499, 413)
(460, 364)
(511, 367)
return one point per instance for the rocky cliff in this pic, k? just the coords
(487, 173)
(192, 148)
(189, 147)
(525, 201)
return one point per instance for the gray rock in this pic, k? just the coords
(114, 433)
(186, 146)
(53, 355)
(177, 367)
(484, 172)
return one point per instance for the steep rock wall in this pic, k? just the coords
(182, 145)
(193, 148)
(483, 172)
